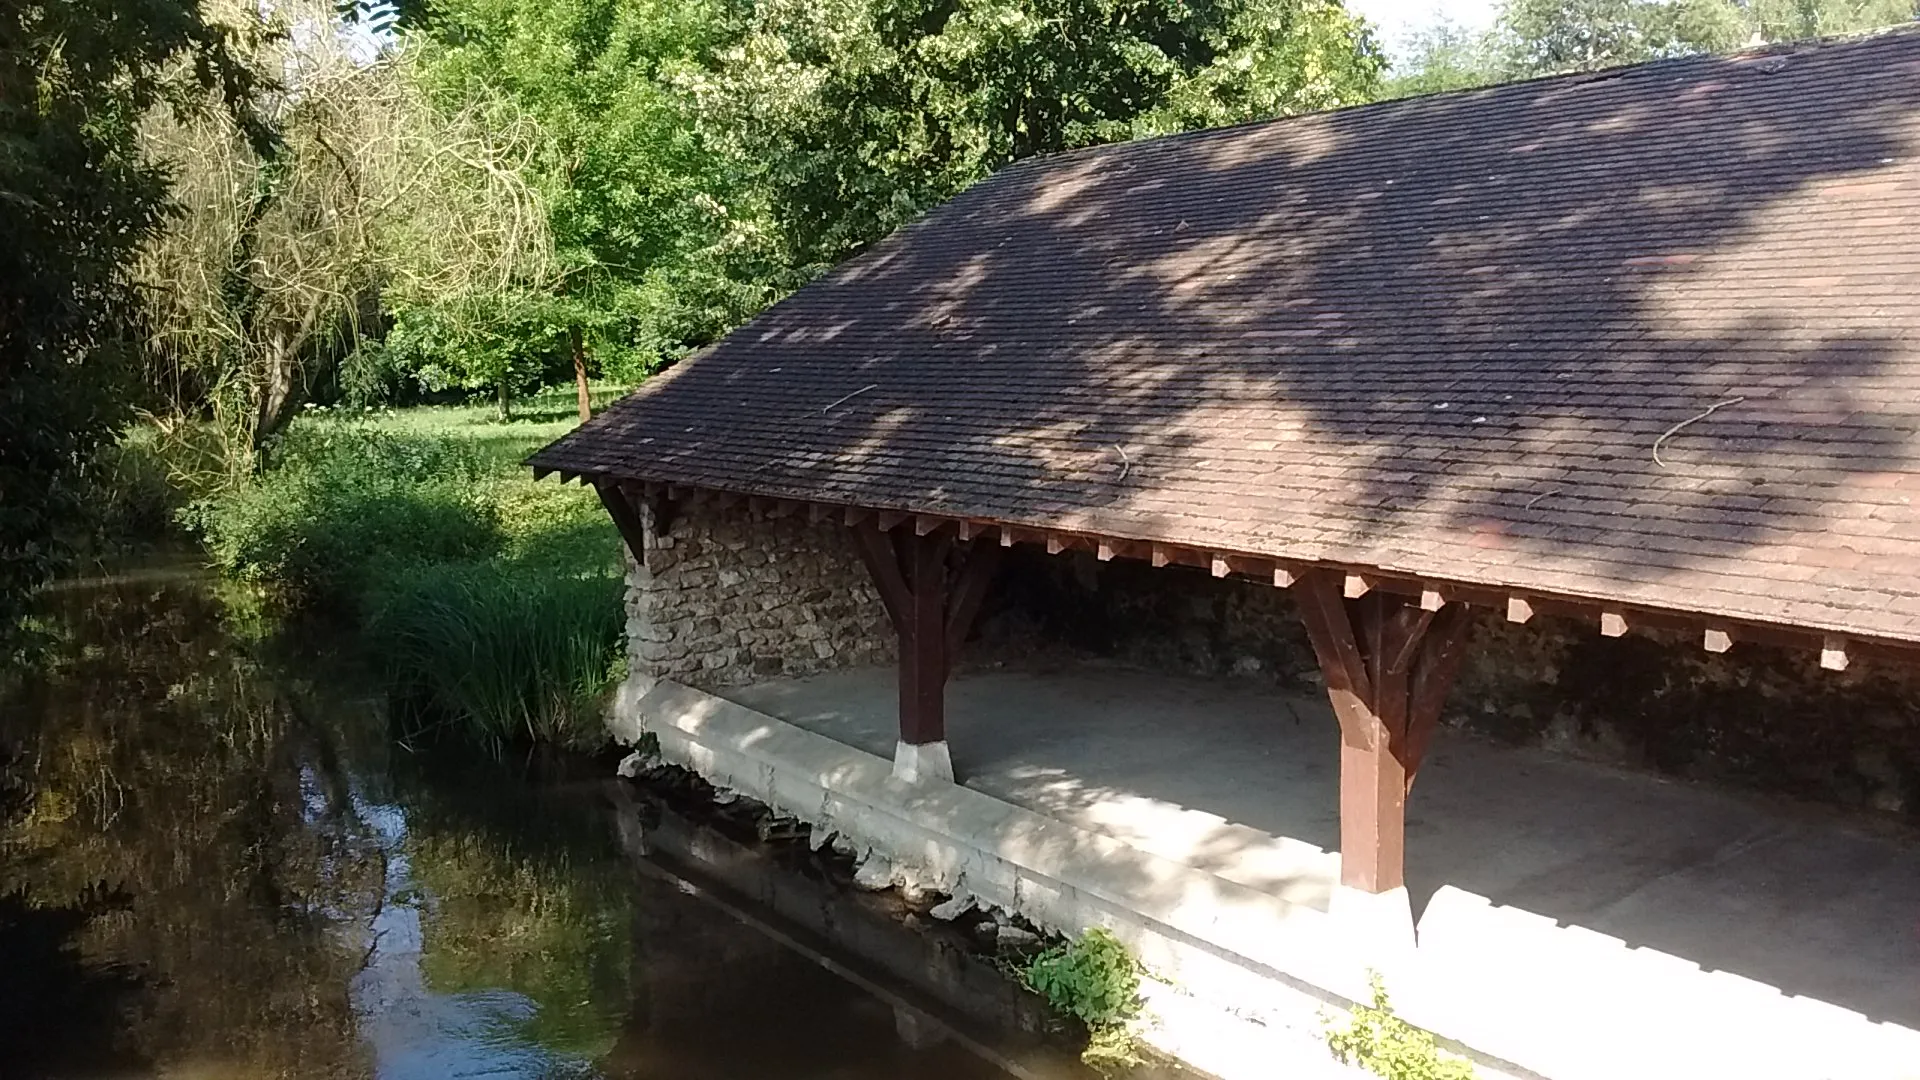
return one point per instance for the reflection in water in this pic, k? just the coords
(214, 864)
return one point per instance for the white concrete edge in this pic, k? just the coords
(1260, 963)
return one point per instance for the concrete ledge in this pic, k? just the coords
(1520, 994)
(1256, 973)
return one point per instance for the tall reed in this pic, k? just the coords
(505, 651)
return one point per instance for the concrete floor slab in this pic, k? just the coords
(1241, 781)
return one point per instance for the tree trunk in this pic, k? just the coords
(580, 374)
(276, 389)
(506, 401)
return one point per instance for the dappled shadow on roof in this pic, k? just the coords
(1652, 335)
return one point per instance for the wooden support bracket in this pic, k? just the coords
(932, 605)
(626, 517)
(1388, 664)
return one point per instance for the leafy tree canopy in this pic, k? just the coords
(861, 113)
(75, 80)
(1551, 37)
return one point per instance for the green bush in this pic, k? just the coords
(507, 651)
(1385, 1045)
(336, 498)
(1096, 980)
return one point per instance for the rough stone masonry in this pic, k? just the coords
(728, 597)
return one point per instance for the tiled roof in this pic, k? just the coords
(1651, 335)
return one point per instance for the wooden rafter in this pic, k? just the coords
(1612, 618)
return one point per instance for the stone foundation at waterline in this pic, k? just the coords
(727, 597)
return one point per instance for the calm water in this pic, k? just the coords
(214, 863)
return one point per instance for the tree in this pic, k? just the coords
(1444, 56)
(859, 114)
(375, 197)
(80, 200)
(1552, 37)
(658, 244)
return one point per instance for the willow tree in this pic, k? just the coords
(277, 263)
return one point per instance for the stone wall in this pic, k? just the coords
(1760, 717)
(727, 597)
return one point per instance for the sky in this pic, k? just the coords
(1397, 19)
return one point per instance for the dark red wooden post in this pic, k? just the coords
(923, 650)
(930, 615)
(1388, 666)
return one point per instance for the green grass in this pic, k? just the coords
(492, 602)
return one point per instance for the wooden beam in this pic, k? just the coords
(1283, 578)
(626, 518)
(1445, 650)
(1356, 586)
(923, 663)
(1006, 536)
(1220, 566)
(1431, 600)
(930, 614)
(967, 529)
(857, 514)
(1518, 609)
(1716, 640)
(1056, 543)
(818, 512)
(780, 508)
(924, 524)
(969, 591)
(1105, 551)
(1162, 555)
(1331, 632)
(883, 565)
(1833, 653)
(1388, 664)
(891, 519)
(1613, 624)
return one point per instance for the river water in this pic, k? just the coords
(215, 863)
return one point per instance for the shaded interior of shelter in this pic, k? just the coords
(1482, 310)
(1813, 900)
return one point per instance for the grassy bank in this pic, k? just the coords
(492, 603)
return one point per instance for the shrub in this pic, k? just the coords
(1096, 980)
(336, 498)
(506, 651)
(1385, 1045)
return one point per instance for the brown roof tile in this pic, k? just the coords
(1439, 336)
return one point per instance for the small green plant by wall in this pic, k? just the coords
(1094, 978)
(1383, 1044)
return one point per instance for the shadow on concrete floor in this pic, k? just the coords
(1209, 772)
